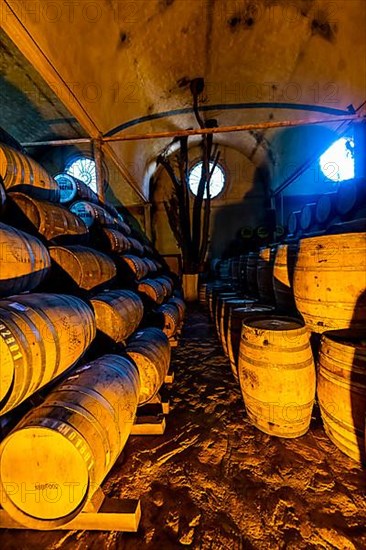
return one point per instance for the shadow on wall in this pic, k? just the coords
(239, 227)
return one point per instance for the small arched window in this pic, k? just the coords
(217, 182)
(83, 168)
(338, 163)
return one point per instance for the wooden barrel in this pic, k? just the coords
(170, 318)
(283, 275)
(136, 246)
(341, 389)
(41, 335)
(137, 267)
(228, 304)
(180, 305)
(346, 201)
(307, 216)
(234, 272)
(243, 262)
(24, 261)
(265, 268)
(2, 197)
(72, 189)
(112, 240)
(202, 294)
(93, 214)
(352, 226)
(59, 454)
(20, 172)
(219, 300)
(212, 293)
(53, 222)
(277, 375)
(293, 222)
(152, 289)
(79, 267)
(118, 313)
(234, 329)
(329, 281)
(252, 283)
(325, 208)
(150, 350)
(167, 284)
(151, 265)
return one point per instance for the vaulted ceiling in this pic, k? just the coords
(116, 67)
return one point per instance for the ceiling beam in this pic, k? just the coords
(18, 33)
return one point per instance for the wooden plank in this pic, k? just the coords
(169, 379)
(114, 515)
(150, 420)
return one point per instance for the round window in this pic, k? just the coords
(217, 182)
(83, 169)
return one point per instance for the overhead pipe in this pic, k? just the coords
(194, 132)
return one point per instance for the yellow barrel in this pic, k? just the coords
(54, 222)
(54, 460)
(252, 283)
(329, 281)
(22, 173)
(80, 267)
(152, 289)
(118, 313)
(24, 261)
(265, 267)
(41, 335)
(283, 276)
(113, 240)
(136, 266)
(150, 350)
(342, 389)
(277, 375)
(234, 328)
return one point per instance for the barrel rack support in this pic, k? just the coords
(150, 418)
(100, 514)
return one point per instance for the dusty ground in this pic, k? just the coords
(213, 481)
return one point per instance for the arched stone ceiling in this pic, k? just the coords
(125, 67)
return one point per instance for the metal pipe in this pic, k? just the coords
(197, 131)
(98, 159)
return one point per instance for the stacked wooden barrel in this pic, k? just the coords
(50, 350)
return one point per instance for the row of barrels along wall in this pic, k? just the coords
(325, 212)
(320, 282)
(87, 312)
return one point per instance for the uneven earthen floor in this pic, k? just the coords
(213, 481)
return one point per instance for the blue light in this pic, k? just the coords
(338, 163)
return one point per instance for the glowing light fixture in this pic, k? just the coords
(217, 181)
(338, 163)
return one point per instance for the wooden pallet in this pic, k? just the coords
(169, 379)
(100, 514)
(150, 420)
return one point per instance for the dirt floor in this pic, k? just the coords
(213, 481)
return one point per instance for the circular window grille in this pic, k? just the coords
(217, 182)
(84, 169)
